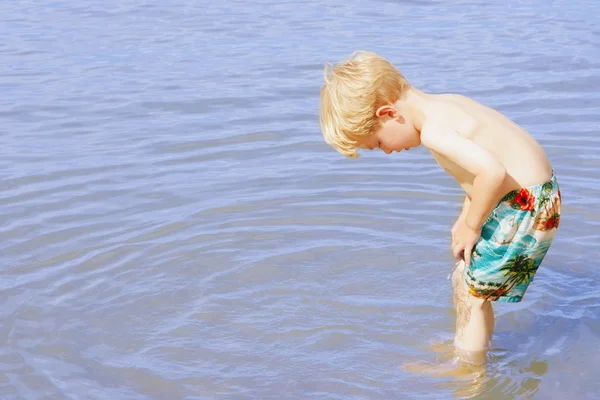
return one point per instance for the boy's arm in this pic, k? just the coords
(463, 213)
(488, 171)
(465, 207)
(461, 217)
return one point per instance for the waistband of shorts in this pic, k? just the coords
(532, 188)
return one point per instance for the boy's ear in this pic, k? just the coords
(386, 110)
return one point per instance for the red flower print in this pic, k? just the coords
(525, 200)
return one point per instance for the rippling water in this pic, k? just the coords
(174, 227)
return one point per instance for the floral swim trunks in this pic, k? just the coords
(514, 240)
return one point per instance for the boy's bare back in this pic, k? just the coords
(522, 156)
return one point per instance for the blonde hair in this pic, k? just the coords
(353, 91)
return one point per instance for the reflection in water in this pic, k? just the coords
(468, 377)
(503, 375)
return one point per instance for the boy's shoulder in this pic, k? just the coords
(455, 107)
(450, 113)
(465, 116)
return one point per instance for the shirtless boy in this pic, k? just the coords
(512, 204)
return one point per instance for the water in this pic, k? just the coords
(174, 227)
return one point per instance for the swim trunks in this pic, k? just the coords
(514, 240)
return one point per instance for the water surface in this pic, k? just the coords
(174, 227)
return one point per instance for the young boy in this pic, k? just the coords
(512, 204)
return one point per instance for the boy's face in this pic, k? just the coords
(396, 134)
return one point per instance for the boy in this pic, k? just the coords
(512, 204)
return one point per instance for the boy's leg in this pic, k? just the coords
(474, 325)
(474, 320)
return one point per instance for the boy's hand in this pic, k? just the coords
(463, 240)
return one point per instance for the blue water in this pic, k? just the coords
(174, 227)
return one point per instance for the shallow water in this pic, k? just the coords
(174, 227)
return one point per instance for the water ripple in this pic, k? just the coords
(173, 225)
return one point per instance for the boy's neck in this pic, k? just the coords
(413, 105)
